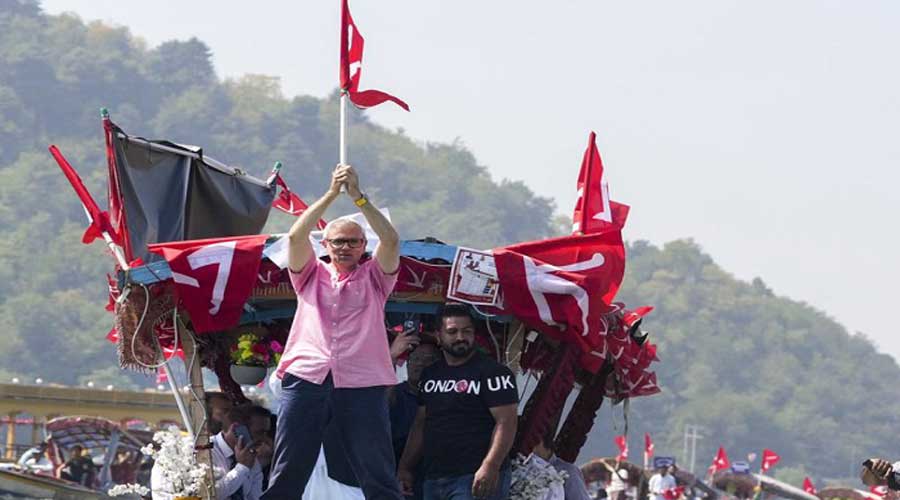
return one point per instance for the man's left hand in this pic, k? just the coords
(352, 183)
(485, 482)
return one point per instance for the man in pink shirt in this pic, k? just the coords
(336, 364)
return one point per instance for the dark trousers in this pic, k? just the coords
(460, 487)
(361, 414)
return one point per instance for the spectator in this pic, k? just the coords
(574, 487)
(660, 482)
(80, 467)
(217, 407)
(466, 421)
(36, 459)
(404, 405)
(238, 474)
(618, 481)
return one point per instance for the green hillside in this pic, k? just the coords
(752, 368)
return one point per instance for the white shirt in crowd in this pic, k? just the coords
(228, 479)
(658, 484)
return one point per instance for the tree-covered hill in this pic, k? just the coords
(752, 368)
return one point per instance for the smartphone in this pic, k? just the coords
(243, 434)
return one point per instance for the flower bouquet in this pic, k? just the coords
(532, 478)
(173, 453)
(251, 355)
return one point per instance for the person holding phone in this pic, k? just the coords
(235, 455)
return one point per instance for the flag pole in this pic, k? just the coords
(343, 132)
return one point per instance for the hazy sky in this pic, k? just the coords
(765, 130)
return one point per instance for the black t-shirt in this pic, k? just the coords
(458, 420)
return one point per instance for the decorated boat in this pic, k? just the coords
(193, 274)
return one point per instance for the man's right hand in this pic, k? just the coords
(407, 479)
(339, 177)
(244, 453)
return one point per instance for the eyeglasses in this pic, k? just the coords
(346, 242)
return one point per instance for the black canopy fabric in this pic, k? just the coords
(170, 192)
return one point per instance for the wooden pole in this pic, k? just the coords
(197, 410)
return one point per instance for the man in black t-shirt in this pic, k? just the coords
(466, 421)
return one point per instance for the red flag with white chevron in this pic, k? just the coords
(563, 286)
(213, 278)
(594, 211)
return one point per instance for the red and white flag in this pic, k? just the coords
(564, 286)
(720, 462)
(623, 448)
(594, 211)
(809, 487)
(880, 491)
(673, 493)
(351, 65)
(769, 458)
(213, 277)
(648, 449)
(288, 202)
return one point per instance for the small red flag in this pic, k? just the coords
(594, 211)
(720, 462)
(769, 459)
(213, 277)
(673, 493)
(648, 445)
(290, 203)
(880, 491)
(623, 448)
(99, 221)
(351, 65)
(809, 487)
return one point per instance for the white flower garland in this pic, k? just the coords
(176, 462)
(532, 479)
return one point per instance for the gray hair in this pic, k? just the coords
(338, 223)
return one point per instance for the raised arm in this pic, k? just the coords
(299, 248)
(486, 477)
(387, 253)
(412, 453)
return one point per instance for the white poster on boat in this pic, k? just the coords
(473, 279)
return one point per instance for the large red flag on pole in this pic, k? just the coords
(594, 211)
(351, 65)
(769, 459)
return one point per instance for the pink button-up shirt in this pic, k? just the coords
(339, 326)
